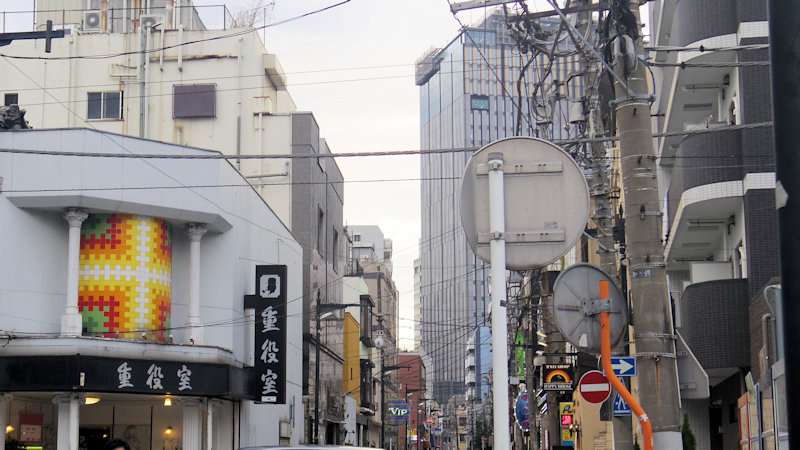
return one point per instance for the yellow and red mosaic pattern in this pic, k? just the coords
(125, 286)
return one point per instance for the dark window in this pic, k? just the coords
(479, 102)
(194, 100)
(12, 99)
(321, 233)
(104, 105)
(335, 251)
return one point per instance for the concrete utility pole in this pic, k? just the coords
(599, 187)
(652, 312)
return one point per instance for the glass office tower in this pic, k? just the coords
(475, 90)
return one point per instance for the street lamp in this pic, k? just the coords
(405, 435)
(379, 343)
(322, 310)
(421, 402)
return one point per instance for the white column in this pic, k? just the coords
(497, 249)
(194, 326)
(68, 419)
(71, 322)
(192, 425)
(5, 400)
(210, 423)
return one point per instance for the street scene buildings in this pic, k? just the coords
(178, 269)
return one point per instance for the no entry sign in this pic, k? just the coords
(594, 387)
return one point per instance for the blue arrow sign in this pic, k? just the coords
(624, 366)
(621, 408)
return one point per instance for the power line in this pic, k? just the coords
(215, 155)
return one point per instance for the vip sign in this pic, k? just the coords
(270, 336)
(397, 410)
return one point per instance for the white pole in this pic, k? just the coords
(497, 247)
(71, 321)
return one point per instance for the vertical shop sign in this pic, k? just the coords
(270, 336)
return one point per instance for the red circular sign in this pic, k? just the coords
(594, 387)
(429, 420)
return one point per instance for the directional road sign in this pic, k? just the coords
(594, 387)
(621, 408)
(624, 366)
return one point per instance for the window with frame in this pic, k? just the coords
(104, 105)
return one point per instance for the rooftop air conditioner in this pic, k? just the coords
(91, 20)
(151, 20)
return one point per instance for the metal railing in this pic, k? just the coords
(204, 17)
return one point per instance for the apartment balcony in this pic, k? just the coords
(717, 326)
(469, 378)
(695, 86)
(469, 362)
(705, 195)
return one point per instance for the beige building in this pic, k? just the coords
(155, 70)
(175, 81)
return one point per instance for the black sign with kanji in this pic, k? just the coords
(269, 303)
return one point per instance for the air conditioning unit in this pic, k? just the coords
(91, 20)
(151, 20)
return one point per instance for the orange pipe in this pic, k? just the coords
(605, 349)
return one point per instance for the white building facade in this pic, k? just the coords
(123, 282)
(155, 70)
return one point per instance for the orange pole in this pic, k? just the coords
(605, 352)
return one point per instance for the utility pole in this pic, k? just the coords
(315, 437)
(652, 312)
(599, 188)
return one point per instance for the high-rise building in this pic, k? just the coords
(476, 90)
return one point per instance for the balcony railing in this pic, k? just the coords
(114, 20)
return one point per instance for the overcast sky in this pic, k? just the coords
(353, 67)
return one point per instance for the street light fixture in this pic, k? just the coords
(323, 310)
(421, 402)
(405, 434)
(379, 343)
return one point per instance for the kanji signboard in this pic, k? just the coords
(270, 337)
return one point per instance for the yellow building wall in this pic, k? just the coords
(351, 369)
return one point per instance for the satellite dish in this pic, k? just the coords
(576, 307)
(546, 201)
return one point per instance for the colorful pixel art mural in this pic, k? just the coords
(125, 286)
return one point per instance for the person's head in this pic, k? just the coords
(117, 444)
